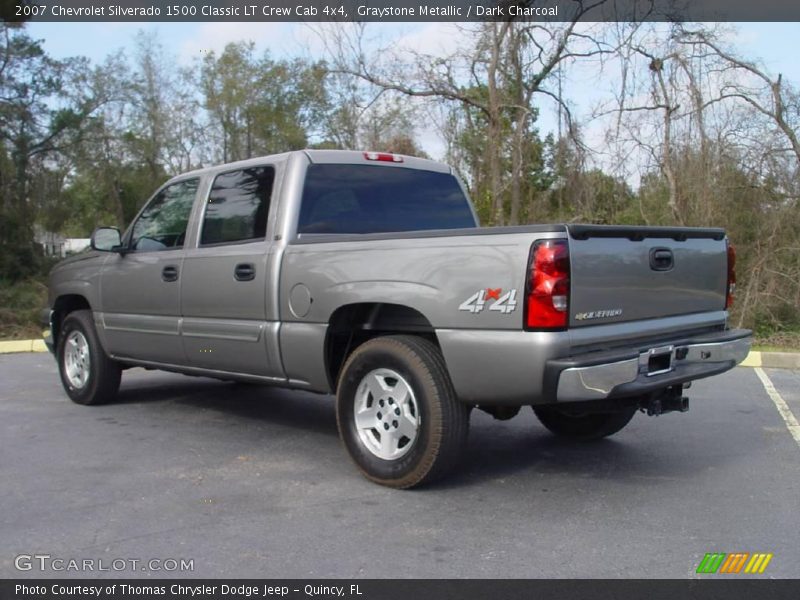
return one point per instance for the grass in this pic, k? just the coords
(779, 341)
(20, 309)
(759, 348)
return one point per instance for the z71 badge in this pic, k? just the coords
(500, 302)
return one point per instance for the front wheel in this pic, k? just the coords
(583, 426)
(397, 412)
(89, 376)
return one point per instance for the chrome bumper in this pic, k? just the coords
(654, 368)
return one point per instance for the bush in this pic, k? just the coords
(21, 304)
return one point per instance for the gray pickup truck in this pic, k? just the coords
(367, 275)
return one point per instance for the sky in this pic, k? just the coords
(776, 45)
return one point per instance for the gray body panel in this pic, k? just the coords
(77, 275)
(140, 311)
(433, 275)
(615, 274)
(224, 323)
(275, 327)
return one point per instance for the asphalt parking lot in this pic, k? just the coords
(253, 482)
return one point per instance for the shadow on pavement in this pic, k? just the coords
(495, 450)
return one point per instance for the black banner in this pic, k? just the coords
(537, 589)
(399, 10)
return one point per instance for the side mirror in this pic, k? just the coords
(106, 239)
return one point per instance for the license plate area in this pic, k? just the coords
(657, 360)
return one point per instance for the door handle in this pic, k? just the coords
(244, 272)
(169, 273)
(661, 259)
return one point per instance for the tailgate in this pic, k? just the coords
(631, 273)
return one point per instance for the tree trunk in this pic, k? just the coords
(666, 160)
(495, 125)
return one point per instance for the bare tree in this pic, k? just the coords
(770, 96)
(494, 78)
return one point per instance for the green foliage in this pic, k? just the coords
(260, 105)
(473, 137)
(785, 320)
(94, 197)
(43, 113)
(21, 303)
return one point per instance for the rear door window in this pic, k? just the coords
(238, 205)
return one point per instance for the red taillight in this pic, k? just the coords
(383, 157)
(731, 276)
(548, 285)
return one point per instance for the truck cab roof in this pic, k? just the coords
(326, 157)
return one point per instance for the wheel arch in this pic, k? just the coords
(350, 325)
(63, 305)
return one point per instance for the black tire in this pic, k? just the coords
(584, 426)
(442, 422)
(102, 381)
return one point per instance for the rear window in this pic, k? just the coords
(372, 199)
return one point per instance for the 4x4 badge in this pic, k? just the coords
(504, 303)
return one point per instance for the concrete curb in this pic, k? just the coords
(22, 346)
(770, 360)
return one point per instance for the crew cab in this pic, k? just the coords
(366, 275)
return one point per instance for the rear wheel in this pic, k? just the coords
(574, 424)
(397, 412)
(88, 375)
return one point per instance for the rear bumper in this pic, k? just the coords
(518, 368)
(634, 371)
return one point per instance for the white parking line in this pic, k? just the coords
(780, 404)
